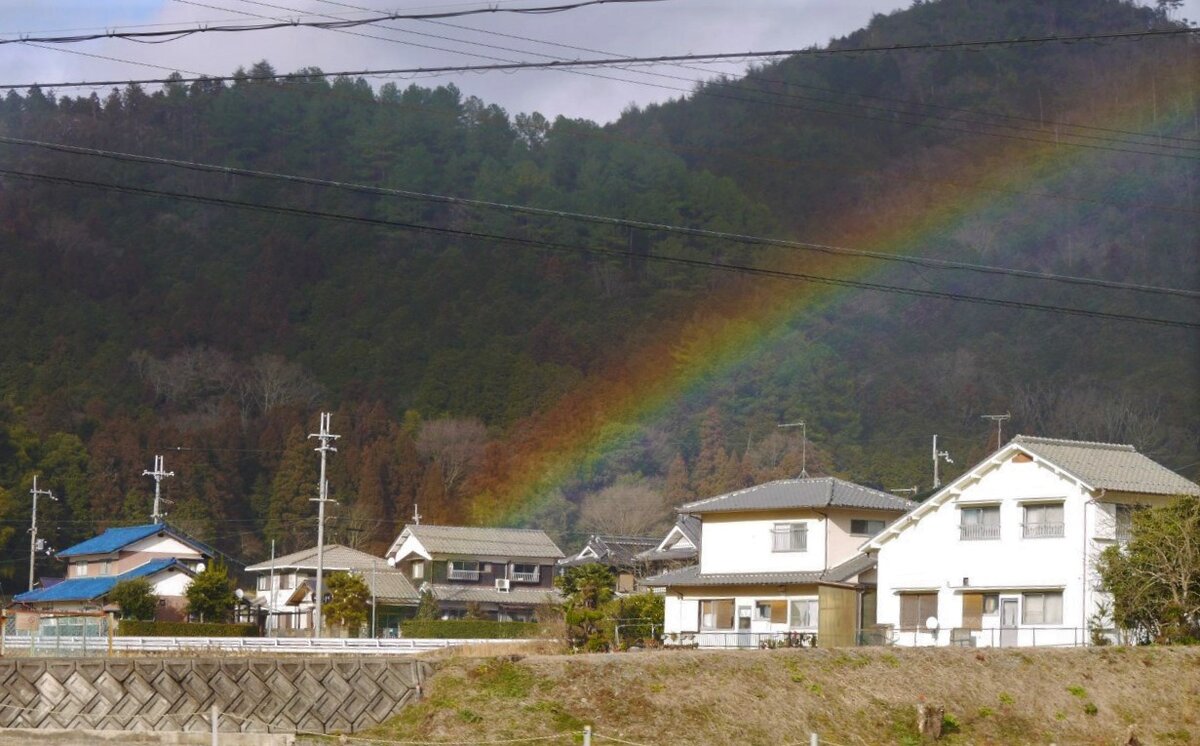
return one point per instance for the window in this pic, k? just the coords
(1042, 608)
(744, 615)
(771, 611)
(463, 570)
(789, 537)
(418, 569)
(526, 573)
(287, 581)
(804, 614)
(1124, 521)
(981, 523)
(716, 614)
(1043, 521)
(916, 608)
(991, 603)
(81, 568)
(105, 567)
(865, 527)
(264, 582)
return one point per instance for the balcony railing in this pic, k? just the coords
(458, 573)
(979, 532)
(526, 577)
(1044, 530)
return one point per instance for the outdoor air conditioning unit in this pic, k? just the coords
(504, 585)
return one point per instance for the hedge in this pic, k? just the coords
(471, 629)
(134, 628)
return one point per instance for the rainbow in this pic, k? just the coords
(712, 341)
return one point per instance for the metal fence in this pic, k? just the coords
(742, 640)
(86, 645)
(995, 637)
(51, 633)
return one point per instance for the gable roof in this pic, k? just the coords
(691, 576)
(481, 541)
(818, 492)
(86, 589)
(1096, 466)
(1108, 466)
(686, 528)
(337, 557)
(612, 550)
(115, 539)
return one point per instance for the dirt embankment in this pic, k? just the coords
(848, 697)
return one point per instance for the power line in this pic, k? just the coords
(929, 262)
(607, 62)
(610, 252)
(167, 35)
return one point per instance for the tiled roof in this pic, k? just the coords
(115, 539)
(668, 555)
(86, 589)
(488, 594)
(337, 557)
(819, 492)
(851, 568)
(691, 576)
(687, 526)
(391, 586)
(1108, 466)
(620, 551)
(485, 542)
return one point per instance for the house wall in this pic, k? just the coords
(681, 613)
(742, 542)
(931, 555)
(842, 543)
(489, 571)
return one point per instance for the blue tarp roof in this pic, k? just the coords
(86, 589)
(113, 539)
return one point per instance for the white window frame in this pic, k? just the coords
(978, 530)
(813, 613)
(1042, 529)
(81, 569)
(995, 608)
(1037, 600)
(418, 569)
(784, 537)
(882, 524)
(712, 602)
(263, 583)
(524, 576)
(462, 570)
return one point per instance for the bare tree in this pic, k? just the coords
(1089, 413)
(630, 508)
(456, 444)
(195, 376)
(273, 381)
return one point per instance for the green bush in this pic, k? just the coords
(131, 628)
(475, 629)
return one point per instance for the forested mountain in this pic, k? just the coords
(497, 365)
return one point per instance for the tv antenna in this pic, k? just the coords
(999, 420)
(803, 444)
(938, 456)
(160, 473)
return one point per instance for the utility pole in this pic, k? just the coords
(803, 445)
(416, 516)
(937, 455)
(159, 474)
(999, 420)
(272, 621)
(373, 600)
(33, 539)
(324, 436)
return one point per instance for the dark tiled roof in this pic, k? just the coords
(616, 551)
(337, 557)
(819, 492)
(488, 594)
(483, 541)
(851, 568)
(86, 589)
(1109, 466)
(691, 576)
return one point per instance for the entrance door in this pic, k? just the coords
(1008, 622)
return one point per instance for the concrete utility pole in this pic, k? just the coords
(159, 474)
(803, 445)
(416, 516)
(999, 420)
(937, 455)
(33, 539)
(324, 436)
(272, 621)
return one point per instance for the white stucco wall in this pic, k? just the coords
(742, 542)
(930, 555)
(173, 583)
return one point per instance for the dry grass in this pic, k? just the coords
(849, 697)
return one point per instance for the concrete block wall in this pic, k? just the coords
(277, 695)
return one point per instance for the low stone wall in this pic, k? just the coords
(284, 695)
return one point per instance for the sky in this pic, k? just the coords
(638, 29)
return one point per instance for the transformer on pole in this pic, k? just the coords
(33, 539)
(325, 437)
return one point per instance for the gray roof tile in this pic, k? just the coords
(484, 542)
(488, 594)
(337, 557)
(692, 577)
(819, 492)
(1109, 466)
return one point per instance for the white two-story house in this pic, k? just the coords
(1004, 555)
(779, 562)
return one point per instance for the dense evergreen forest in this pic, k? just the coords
(135, 324)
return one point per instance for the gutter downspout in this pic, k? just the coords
(1084, 579)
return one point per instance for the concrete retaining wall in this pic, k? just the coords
(286, 695)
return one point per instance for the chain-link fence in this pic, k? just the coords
(55, 633)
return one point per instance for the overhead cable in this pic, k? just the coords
(929, 262)
(556, 247)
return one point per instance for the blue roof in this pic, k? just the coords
(86, 589)
(113, 539)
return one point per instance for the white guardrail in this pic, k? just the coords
(268, 645)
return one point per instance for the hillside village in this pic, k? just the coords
(1002, 556)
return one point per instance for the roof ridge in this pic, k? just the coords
(1034, 439)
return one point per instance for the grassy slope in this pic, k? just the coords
(862, 696)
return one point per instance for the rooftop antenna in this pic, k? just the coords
(416, 515)
(938, 455)
(324, 436)
(803, 444)
(159, 474)
(33, 539)
(999, 420)
(905, 490)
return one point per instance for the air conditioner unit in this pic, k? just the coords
(504, 585)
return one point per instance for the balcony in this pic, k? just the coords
(462, 573)
(979, 532)
(1043, 530)
(526, 576)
